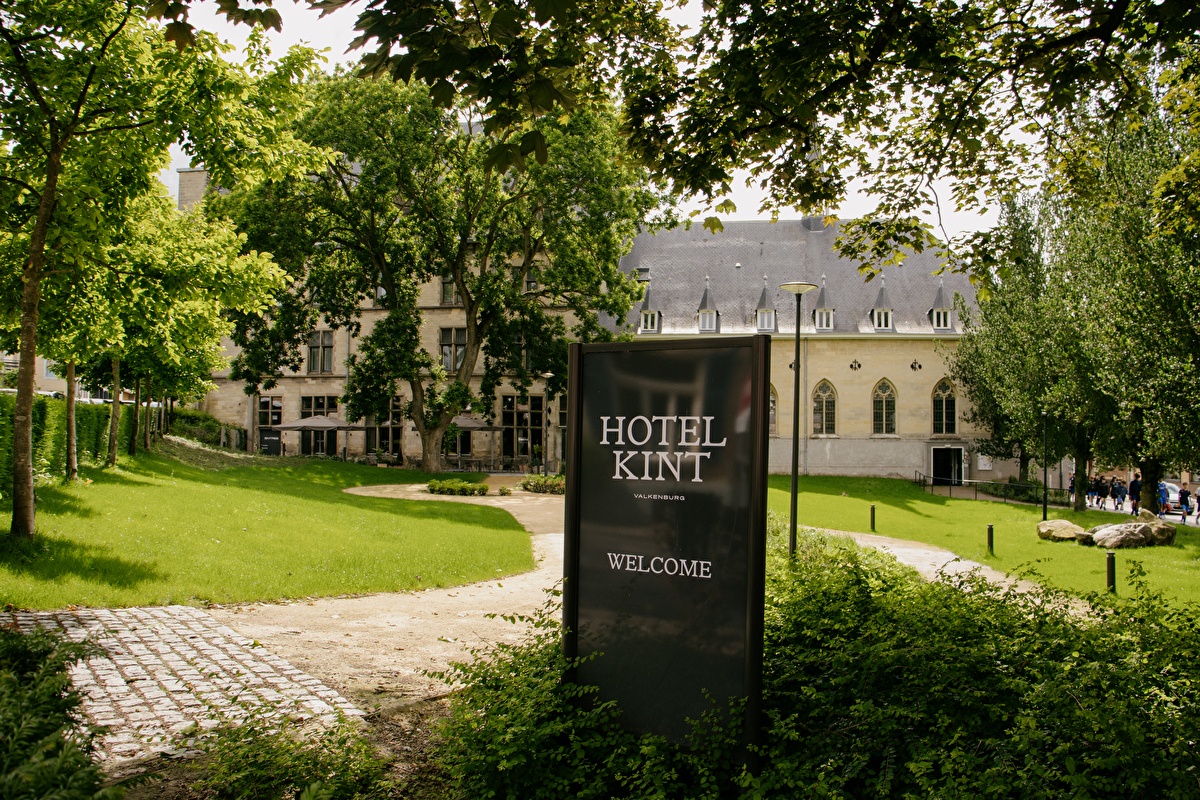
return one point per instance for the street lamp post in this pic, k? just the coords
(797, 288)
(1045, 467)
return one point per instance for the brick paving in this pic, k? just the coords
(170, 672)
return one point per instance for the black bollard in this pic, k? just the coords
(1112, 572)
(991, 542)
(872, 517)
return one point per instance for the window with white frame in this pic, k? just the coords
(824, 319)
(883, 402)
(944, 408)
(824, 410)
(772, 414)
(941, 319)
(882, 318)
(766, 319)
(650, 322)
(708, 321)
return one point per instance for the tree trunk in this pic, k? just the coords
(431, 448)
(168, 412)
(146, 429)
(1152, 473)
(72, 440)
(137, 414)
(23, 515)
(1082, 454)
(1023, 460)
(114, 419)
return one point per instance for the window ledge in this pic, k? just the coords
(885, 436)
(946, 436)
(824, 436)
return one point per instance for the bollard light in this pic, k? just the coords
(991, 542)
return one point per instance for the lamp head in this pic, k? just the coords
(797, 287)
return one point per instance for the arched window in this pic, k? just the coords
(883, 404)
(944, 407)
(824, 410)
(772, 414)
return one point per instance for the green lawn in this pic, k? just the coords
(960, 525)
(159, 530)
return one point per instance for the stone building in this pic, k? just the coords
(875, 398)
(874, 395)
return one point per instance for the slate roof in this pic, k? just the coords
(736, 259)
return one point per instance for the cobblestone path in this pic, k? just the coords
(170, 671)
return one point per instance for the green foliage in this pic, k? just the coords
(504, 491)
(43, 751)
(459, 487)
(517, 729)
(50, 436)
(203, 427)
(276, 758)
(545, 484)
(877, 683)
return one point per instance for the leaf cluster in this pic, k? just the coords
(43, 751)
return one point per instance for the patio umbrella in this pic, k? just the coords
(320, 422)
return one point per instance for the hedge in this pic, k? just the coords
(50, 435)
(456, 486)
(205, 428)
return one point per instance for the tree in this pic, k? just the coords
(1137, 292)
(530, 255)
(92, 97)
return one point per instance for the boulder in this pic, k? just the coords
(1052, 528)
(1161, 533)
(1085, 538)
(1126, 534)
(1146, 516)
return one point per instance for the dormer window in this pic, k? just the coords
(939, 315)
(649, 322)
(706, 312)
(764, 312)
(941, 319)
(882, 319)
(824, 319)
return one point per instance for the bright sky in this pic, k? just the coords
(334, 33)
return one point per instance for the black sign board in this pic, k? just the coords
(666, 526)
(269, 441)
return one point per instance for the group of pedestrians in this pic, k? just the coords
(1101, 491)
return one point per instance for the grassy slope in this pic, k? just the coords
(160, 530)
(960, 525)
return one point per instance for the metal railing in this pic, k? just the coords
(992, 490)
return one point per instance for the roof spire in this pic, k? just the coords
(764, 301)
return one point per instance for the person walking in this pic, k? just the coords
(1162, 499)
(1135, 493)
(1185, 502)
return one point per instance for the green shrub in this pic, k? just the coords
(545, 484)
(456, 486)
(50, 435)
(43, 750)
(504, 491)
(274, 758)
(205, 428)
(876, 684)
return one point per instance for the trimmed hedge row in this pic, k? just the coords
(455, 486)
(50, 435)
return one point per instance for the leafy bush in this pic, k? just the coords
(43, 750)
(50, 435)
(504, 491)
(265, 758)
(205, 428)
(545, 484)
(456, 486)
(876, 683)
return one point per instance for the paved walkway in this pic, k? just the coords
(173, 670)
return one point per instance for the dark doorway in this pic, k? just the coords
(947, 466)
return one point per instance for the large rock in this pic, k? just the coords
(1161, 532)
(1059, 530)
(1126, 534)
(1085, 538)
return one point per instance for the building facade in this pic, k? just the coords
(874, 395)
